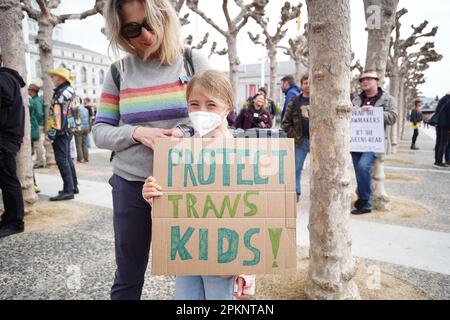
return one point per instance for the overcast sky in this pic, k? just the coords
(88, 35)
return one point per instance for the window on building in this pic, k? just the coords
(85, 91)
(73, 55)
(93, 81)
(93, 70)
(83, 75)
(101, 76)
(93, 92)
(93, 59)
(83, 56)
(251, 90)
(62, 53)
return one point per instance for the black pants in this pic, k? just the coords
(442, 138)
(11, 190)
(415, 135)
(132, 236)
(61, 147)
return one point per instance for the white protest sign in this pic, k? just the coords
(367, 130)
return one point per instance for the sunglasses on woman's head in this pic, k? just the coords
(134, 29)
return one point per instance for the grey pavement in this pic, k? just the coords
(77, 262)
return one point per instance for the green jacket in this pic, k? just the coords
(36, 116)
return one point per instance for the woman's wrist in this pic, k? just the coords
(136, 134)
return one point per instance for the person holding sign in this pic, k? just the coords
(210, 99)
(372, 97)
(143, 98)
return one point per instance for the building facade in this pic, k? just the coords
(89, 67)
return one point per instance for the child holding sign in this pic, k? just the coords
(210, 99)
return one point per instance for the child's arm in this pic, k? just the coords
(151, 189)
(245, 286)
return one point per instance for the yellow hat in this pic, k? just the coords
(63, 73)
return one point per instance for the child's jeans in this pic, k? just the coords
(204, 288)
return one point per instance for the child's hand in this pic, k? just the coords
(151, 189)
(239, 293)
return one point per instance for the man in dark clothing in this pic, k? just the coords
(12, 118)
(290, 89)
(442, 132)
(59, 131)
(296, 125)
(416, 118)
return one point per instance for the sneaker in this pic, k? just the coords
(361, 211)
(8, 230)
(440, 165)
(62, 197)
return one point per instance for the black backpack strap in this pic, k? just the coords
(188, 63)
(117, 70)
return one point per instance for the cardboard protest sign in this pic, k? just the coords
(367, 131)
(229, 207)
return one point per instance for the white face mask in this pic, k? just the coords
(205, 122)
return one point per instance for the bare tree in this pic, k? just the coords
(47, 21)
(298, 51)
(234, 25)
(380, 18)
(13, 54)
(214, 50)
(401, 60)
(199, 45)
(271, 42)
(331, 266)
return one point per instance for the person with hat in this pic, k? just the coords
(12, 120)
(58, 131)
(37, 116)
(372, 96)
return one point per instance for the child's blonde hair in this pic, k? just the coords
(214, 84)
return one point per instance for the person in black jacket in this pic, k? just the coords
(12, 120)
(416, 118)
(442, 132)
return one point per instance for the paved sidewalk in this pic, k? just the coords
(412, 247)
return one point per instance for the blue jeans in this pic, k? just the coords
(300, 156)
(204, 288)
(363, 162)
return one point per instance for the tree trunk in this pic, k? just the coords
(272, 52)
(331, 266)
(394, 91)
(44, 40)
(13, 53)
(298, 70)
(380, 17)
(234, 65)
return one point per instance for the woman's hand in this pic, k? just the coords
(147, 136)
(151, 189)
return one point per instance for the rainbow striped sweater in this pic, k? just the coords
(150, 95)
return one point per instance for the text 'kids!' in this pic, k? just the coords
(209, 97)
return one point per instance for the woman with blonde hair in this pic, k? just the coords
(143, 98)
